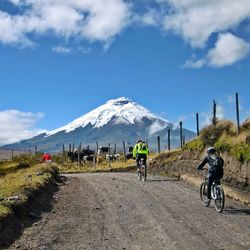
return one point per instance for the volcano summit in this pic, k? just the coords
(115, 121)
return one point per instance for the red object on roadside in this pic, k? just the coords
(47, 157)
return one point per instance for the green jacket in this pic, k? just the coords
(138, 149)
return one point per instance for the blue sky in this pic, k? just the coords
(61, 59)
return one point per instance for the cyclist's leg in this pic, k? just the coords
(138, 158)
(210, 180)
(145, 162)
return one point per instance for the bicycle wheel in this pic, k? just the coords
(144, 173)
(203, 194)
(219, 202)
(139, 173)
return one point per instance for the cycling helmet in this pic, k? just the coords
(139, 140)
(210, 150)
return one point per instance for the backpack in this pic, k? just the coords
(217, 162)
(144, 146)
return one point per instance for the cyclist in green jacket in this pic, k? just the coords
(140, 151)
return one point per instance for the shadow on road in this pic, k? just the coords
(233, 210)
(163, 180)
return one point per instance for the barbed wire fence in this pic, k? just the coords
(9, 154)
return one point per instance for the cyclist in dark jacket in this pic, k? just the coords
(215, 171)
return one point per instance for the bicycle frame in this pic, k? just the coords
(217, 194)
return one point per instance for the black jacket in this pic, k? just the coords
(212, 166)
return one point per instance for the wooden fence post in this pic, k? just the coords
(159, 144)
(124, 151)
(12, 154)
(181, 139)
(214, 120)
(115, 149)
(237, 113)
(97, 146)
(168, 139)
(197, 124)
(79, 154)
(73, 147)
(63, 154)
(109, 156)
(70, 147)
(94, 159)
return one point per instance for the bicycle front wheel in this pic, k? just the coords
(219, 202)
(203, 194)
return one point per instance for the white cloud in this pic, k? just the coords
(228, 50)
(231, 99)
(67, 50)
(156, 127)
(62, 50)
(97, 20)
(206, 117)
(150, 18)
(16, 125)
(196, 20)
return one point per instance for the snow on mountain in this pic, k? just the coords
(117, 111)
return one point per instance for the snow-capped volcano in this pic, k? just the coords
(116, 121)
(118, 111)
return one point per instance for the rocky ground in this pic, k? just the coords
(116, 211)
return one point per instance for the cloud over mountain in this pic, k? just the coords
(16, 125)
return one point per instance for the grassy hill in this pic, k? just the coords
(233, 147)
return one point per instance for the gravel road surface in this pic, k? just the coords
(116, 211)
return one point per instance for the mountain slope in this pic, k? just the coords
(114, 122)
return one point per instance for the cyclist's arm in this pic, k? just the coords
(203, 163)
(134, 151)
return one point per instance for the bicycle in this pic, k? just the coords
(217, 194)
(142, 171)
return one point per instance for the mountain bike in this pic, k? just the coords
(217, 194)
(142, 171)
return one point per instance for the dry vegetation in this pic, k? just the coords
(20, 178)
(101, 167)
(223, 136)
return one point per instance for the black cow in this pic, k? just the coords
(103, 150)
(73, 156)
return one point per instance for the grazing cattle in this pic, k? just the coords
(89, 158)
(73, 156)
(113, 157)
(129, 156)
(130, 148)
(103, 150)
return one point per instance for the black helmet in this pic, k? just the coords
(139, 140)
(211, 150)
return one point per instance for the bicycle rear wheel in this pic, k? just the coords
(203, 194)
(139, 173)
(219, 202)
(144, 173)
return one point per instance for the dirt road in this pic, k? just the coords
(116, 211)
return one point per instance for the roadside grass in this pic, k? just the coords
(16, 187)
(100, 167)
(223, 136)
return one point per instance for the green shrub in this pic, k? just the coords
(224, 143)
(241, 152)
(26, 159)
(245, 125)
(210, 134)
(248, 139)
(196, 144)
